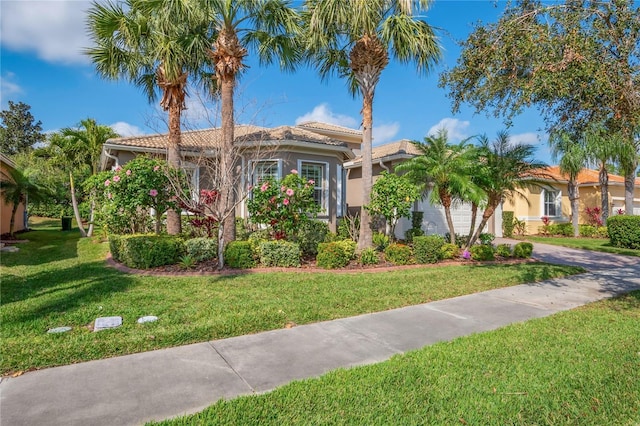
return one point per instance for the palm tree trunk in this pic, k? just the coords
(486, 215)
(445, 199)
(603, 177)
(227, 178)
(366, 234)
(629, 187)
(12, 223)
(574, 198)
(92, 216)
(474, 216)
(174, 223)
(74, 203)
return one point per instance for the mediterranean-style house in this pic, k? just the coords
(552, 199)
(326, 153)
(5, 209)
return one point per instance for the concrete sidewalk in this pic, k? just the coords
(165, 383)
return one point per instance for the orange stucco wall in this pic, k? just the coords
(5, 212)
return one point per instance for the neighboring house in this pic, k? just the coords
(386, 158)
(5, 209)
(552, 199)
(316, 150)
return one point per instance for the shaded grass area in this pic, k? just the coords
(596, 244)
(579, 367)
(58, 279)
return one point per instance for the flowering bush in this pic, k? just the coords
(594, 217)
(284, 205)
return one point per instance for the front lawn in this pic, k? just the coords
(58, 279)
(580, 367)
(596, 244)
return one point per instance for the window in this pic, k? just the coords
(551, 203)
(192, 172)
(263, 170)
(317, 172)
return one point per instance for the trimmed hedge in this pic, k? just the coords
(398, 254)
(482, 252)
(280, 253)
(507, 223)
(523, 250)
(201, 248)
(336, 254)
(143, 251)
(239, 254)
(449, 251)
(310, 234)
(369, 256)
(503, 250)
(624, 231)
(428, 249)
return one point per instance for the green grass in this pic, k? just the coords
(58, 279)
(596, 244)
(579, 367)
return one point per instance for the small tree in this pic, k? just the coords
(18, 132)
(15, 188)
(392, 197)
(284, 205)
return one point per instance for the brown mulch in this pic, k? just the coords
(211, 267)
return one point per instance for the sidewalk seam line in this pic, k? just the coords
(231, 367)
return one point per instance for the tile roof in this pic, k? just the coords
(210, 138)
(585, 177)
(317, 125)
(402, 147)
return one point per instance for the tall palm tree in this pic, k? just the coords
(507, 168)
(354, 39)
(155, 44)
(602, 147)
(82, 146)
(572, 157)
(17, 187)
(446, 170)
(268, 27)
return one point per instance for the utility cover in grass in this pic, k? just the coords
(59, 330)
(103, 323)
(148, 318)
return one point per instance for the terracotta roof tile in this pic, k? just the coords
(329, 127)
(401, 147)
(585, 177)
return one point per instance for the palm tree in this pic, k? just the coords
(354, 38)
(155, 44)
(602, 148)
(572, 159)
(82, 146)
(507, 168)
(269, 27)
(446, 170)
(17, 187)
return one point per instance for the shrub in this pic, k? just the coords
(461, 240)
(310, 234)
(411, 233)
(587, 230)
(336, 254)
(482, 252)
(398, 254)
(349, 227)
(201, 248)
(519, 226)
(449, 251)
(380, 241)
(416, 227)
(280, 253)
(503, 250)
(602, 232)
(369, 256)
(523, 250)
(428, 249)
(143, 251)
(486, 238)
(624, 231)
(239, 254)
(563, 229)
(507, 223)
(187, 262)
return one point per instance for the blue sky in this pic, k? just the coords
(42, 65)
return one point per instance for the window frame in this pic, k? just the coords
(323, 187)
(556, 203)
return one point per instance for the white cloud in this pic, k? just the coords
(126, 129)
(8, 87)
(55, 30)
(525, 138)
(385, 133)
(324, 114)
(456, 129)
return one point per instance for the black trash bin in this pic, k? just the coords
(66, 223)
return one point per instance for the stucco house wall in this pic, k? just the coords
(20, 223)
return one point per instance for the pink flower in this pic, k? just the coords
(107, 182)
(128, 172)
(283, 188)
(312, 182)
(118, 168)
(289, 192)
(153, 192)
(156, 168)
(109, 195)
(116, 178)
(294, 172)
(285, 201)
(264, 187)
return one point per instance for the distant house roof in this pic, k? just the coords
(585, 177)
(400, 150)
(7, 161)
(316, 125)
